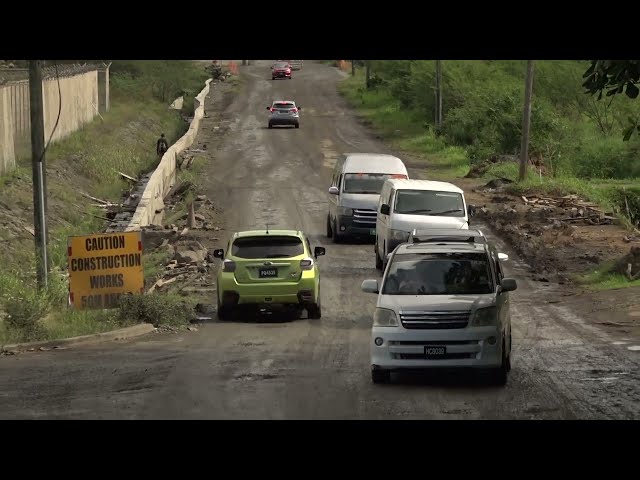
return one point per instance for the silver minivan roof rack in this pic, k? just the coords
(446, 235)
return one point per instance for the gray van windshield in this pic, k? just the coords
(429, 202)
(366, 182)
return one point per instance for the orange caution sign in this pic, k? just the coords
(102, 267)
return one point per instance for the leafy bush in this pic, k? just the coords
(571, 132)
(26, 307)
(156, 309)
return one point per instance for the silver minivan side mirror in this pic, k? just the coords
(333, 191)
(508, 285)
(370, 286)
(503, 257)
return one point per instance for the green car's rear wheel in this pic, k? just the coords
(314, 311)
(223, 312)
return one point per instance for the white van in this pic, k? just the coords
(405, 205)
(354, 192)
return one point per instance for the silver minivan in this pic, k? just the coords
(405, 205)
(356, 182)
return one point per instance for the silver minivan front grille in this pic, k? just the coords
(434, 319)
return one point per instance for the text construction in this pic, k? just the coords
(102, 267)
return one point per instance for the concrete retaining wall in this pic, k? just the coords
(164, 176)
(80, 104)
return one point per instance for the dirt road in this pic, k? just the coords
(563, 367)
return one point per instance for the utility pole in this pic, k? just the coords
(37, 162)
(244, 63)
(353, 68)
(438, 96)
(368, 73)
(526, 121)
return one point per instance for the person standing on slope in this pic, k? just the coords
(162, 146)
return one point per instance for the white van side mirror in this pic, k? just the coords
(503, 257)
(370, 286)
(333, 191)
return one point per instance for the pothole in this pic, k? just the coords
(256, 376)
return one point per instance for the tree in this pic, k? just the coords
(615, 76)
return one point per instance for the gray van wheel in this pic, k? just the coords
(337, 238)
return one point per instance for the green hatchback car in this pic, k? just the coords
(266, 268)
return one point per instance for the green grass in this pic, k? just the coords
(165, 309)
(73, 323)
(404, 129)
(153, 264)
(603, 279)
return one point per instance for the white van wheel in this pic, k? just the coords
(378, 259)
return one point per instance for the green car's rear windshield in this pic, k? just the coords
(267, 246)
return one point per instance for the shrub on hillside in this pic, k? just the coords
(483, 103)
(25, 306)
(157, 309)
(490, 122)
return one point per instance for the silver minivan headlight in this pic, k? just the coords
(383, 317)
(484, 317)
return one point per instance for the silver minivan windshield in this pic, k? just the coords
(460, 273)
(429, 202)
(366, 182)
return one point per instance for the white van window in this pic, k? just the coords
(429, 202)
(366, 182)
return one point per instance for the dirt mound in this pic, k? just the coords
(629, 265)
(557, 236)
(531, 241)
(478, 169)
(497, 183)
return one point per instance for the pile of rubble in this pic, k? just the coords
(188, 270)
(572, 210)
(202, 208)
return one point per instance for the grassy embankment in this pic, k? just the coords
(88, 161)
(575, 138)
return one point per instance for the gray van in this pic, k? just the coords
(354, 192)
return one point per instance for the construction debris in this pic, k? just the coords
(633, 238)
(127, 177)
(578, 210)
